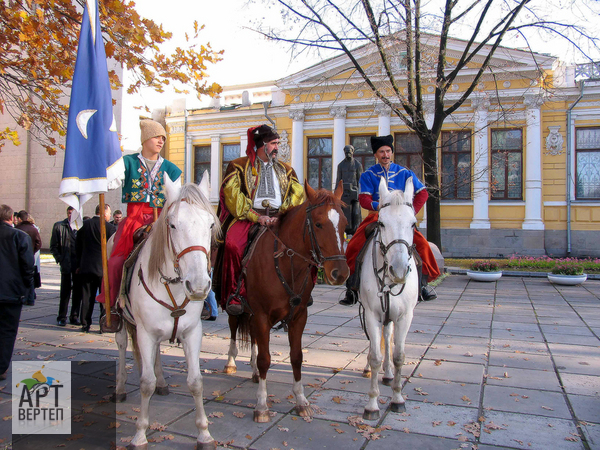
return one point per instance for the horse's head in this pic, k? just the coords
(396, 223)
(186, 228)
(326, 223)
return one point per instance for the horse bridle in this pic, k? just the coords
(381, 274)
(317, 260)
(176, 310)
(185, 251)
(315, 250)
(386, 248)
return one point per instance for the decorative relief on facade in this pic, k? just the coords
(430, 89)
(383, 110)
(533, 100)
(285, 153)
(455, 87)
(296, 114)
(360, 94)
(506, 84)
(297, 98)
(480, 103)
(554, 142)
(317, 97)
(339, 112)
(177, 128)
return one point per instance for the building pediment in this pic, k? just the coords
(339, 70)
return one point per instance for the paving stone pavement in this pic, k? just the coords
(513, 364)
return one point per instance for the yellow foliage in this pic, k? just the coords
(38, 47)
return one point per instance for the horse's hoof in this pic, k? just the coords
(366, 374)
(387, 381)
(304, 411)
(118, 398)
(371, 415)
(162, 390)
(255, 378)
(230, 369)
(398, 407)
(262, 416)
(212, 445)
(138, 447)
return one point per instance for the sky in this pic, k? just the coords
(248, 57)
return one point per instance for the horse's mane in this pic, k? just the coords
(323, 196)
(159, 234)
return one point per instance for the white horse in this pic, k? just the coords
(389, 290)
(171, 279)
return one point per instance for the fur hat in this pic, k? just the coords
(379, 141)
(150, 129)
(257, 137)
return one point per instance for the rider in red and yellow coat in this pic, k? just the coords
(143, 192)
(252, 184)
(368, 198)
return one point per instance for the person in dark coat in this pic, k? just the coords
(16, 278)
(89, 262)
(26, 225)
(62, 247)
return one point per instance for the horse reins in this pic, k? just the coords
(176, 310)
(381, 274)
(317, 259)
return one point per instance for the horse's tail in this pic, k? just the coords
(243, 332)
(132, 331)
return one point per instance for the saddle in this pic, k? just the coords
(140, 236)
(353, 281)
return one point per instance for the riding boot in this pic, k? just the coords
(352, 286)
(426, 292)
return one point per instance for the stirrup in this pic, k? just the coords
(427, 293)
(116, 322)
(234, 309)
(350, 299)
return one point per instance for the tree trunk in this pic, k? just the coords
(433, 187)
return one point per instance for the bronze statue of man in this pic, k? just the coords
(350, 170)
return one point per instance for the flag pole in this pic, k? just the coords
(104, 261)
(155, 214)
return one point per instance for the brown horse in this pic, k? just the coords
(279, 281)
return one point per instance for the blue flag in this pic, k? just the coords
(93, 161)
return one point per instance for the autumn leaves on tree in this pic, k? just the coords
(38, 48)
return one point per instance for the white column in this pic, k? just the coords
(297, 115)
(339, 139)
(188, 158)
(243, 143)
(215, 167)
(481, 184)
(383, 112)
(533, 164)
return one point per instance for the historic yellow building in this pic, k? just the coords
(519, 162)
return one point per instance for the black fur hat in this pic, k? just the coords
(379, 141)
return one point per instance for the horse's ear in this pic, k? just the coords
(310, 192)
(339, 190)
(383, 191)
(204, 184)
(409, 190)
(171, 189)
